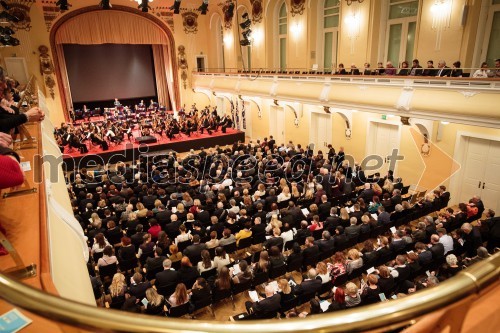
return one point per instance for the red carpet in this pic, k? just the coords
(163, 140)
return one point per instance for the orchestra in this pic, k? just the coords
(123, 123)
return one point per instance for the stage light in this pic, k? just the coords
(105, 4)
(144, 5)
(5, 16)
(176, 6)
(204, 7)
(246, 38)
(63, 5)
(245, 24)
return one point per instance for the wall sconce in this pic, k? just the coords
(257, 36)
(228, 39)
(353, 22)
(295, 29)
(441, 17)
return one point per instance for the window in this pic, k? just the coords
(401, 29)
(331, 13)
(282, 34)
(493, 38)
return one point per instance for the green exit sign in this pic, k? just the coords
(384, 117)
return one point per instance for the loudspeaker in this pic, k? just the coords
(146, 139)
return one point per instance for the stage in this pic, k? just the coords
(130, 151)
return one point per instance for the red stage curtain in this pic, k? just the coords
(119, 27)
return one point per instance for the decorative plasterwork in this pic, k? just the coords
(47, 69)
(257, 11)
(190, 22)
(183, 65)
(50, 12)
(468, 93)
(228, 16)
(164, 14)
(405, 98)
(297, 7)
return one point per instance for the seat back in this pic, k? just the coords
(294, 265)
(241, 287)
(166, 290)
(258, 238)
(277, 271)
(182, 245)
(219, 295)
(230, 248)
(207, 274)
(108, 270)
(179, 311)
(341, 280)
(260, 278)
(244, 243)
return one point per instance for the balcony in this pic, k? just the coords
(460, 100)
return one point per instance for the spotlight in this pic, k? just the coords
(176, 7)
(7, 40)
(104, 4)
(204, 7)
(5, 16)
(63, 5)
(144, 5)
(245, 24)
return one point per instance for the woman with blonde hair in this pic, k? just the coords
(155, 304)
(180, 296)
(377, 190)
(117, 288)
(285, 194)
(295, 192)
(354, 260)
(181, 212)
(344, 217)
(388, 186)
(285, 290)
(141, 210)
(352, 297)
(274, 223)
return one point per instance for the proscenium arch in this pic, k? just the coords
(72, 14)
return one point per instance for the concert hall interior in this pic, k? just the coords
(333, 163)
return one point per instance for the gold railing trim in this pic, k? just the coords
(371, 317)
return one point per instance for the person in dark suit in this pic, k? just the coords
(354, 70)
(275, 240)
(437, 248)
(443, 70)
(311, 249)
(271, 143)
(492, 224)
(396, 197)
(309, 285)
(430, 70)
(367, 193)
(172, 228)
(266, 307)
(397, 243)
(168, 276)
(138, 287)
(326, 243)
(471, 237)
(353, 230)
(424, 256)
(258, 228)
(332, 221)
(153, 264)
(193, 251)
(324, 208)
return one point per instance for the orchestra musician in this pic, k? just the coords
(117, 103)
(224, 123)
(172, 129)
(97, 138)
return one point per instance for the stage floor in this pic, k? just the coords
(129, 151)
